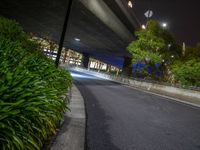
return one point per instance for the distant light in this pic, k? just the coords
(77, 39)
(169, 45)
(143, 26)
(172, 56)
(130, 4)
(163, 60)
(84, 74)
(77, 75)
(164, 25)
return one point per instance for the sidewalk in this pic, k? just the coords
(72, 133)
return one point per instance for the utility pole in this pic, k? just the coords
(62, 37)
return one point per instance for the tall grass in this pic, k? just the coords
(31, 90)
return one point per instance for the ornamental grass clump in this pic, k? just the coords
(31, 90)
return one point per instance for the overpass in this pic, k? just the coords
(102, 27)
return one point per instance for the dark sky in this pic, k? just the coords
(182, 16)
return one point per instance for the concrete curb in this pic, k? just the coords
(72, 132)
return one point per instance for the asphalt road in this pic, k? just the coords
(122, 118)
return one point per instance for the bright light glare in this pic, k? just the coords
(77, 39)
(143, 27)
(164, 25)
(77, 75)
(130, 4)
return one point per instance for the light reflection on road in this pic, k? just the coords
(81, 75)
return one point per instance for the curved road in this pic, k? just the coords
(122, 118)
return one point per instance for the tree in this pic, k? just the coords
(146, 47)
(154, 45)
(191, 52)
(188, 72)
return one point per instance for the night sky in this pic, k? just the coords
(182, 16)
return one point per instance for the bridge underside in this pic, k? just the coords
(103, 27)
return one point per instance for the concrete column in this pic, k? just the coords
(108, 68)
(95, 64)
(85, 60)
(99, 66)
(89, 63)
(127, 67)
(65, 56)
(117, 73)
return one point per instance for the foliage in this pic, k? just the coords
(154, 45)
(186, 70)
(191, 52)
(31, 90)
(147, 45)
(187, 73)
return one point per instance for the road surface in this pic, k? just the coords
(122, 118)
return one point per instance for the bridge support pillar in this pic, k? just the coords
(85, 60)
(127, 67)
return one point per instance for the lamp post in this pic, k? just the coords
(143, 27)
(164, 24)
(62, 37)
(148, 14)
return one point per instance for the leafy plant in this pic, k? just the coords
(187, 73)
(31, 90)
(154, 45)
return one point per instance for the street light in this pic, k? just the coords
(164, 24)
(77, 39)
(148, 14)
(143, 27)
(64, 29)
(130, 4)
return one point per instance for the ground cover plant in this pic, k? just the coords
(31, 90)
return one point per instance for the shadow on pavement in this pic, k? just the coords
(97, 131)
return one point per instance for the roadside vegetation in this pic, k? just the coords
(163, 58)
(32, 90)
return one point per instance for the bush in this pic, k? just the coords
(187, 73)
(31, 90)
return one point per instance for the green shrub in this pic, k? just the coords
(11, 30)
(31, 90)
(187, 73)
